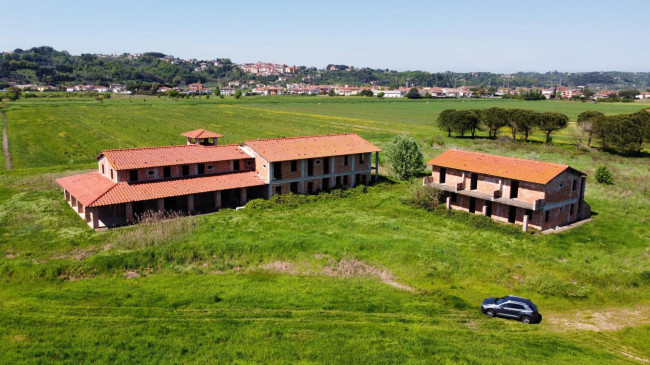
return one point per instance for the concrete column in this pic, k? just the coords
(217, 199)
(525, 227)
(129, 212)
(244, 196)
(376, 166)
(333, 164)
(448, 202)
(484, 208)
(354, 157)
(94, 217)
(161, 205)
(190, 203)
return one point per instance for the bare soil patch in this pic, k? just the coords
(345, 268)
(613, 319)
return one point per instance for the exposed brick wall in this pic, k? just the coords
(560, 188)
(177, 170)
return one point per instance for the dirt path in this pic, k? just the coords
(5, 143)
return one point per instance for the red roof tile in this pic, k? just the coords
(138, 158)
(86, 187)
(295, 148)
(501, 166)
(131, 192)
(201, 133)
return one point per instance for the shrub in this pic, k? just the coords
(426, 197)
(404, 157)
(603, 176)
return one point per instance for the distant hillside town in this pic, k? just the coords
(45, 69)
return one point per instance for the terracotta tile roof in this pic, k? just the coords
(138, 158)
(512, 168)
(86, 187)
(295, 148)
(201, 133)
(126, 192)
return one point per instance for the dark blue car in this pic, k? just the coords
(512, 307)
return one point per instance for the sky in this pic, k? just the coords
(436, 36)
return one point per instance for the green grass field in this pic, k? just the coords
(363, 278)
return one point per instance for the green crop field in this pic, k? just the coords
(352, 277)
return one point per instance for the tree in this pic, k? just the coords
(238, 94)
(217, 91)
(366, 92)
(446, 120)
(493, 118)
(380, 95)
(404, 157)
(587, 93)
(413, 94)
(13, 93)
(629, 94)
(586, 122)
(528, 120)
(465, 120)
(513, 121)
(330, 92)
(551, 121)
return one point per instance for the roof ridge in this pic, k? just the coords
(508, 157)
(300, 137)
(172, 146)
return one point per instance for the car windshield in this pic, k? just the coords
(500, 300)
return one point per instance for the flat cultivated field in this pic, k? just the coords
(352, 277)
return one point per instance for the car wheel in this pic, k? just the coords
(490, 312)
(526, 319)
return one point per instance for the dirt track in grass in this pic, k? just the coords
(5, 143)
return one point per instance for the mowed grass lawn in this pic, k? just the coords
(364, 278)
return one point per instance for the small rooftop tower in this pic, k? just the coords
(202, 137)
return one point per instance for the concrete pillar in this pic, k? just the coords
(244, 196)
(332, 165)
(376, 166)
(190, 203)
(525, 227)
(161, 205)
(94, 217)
(484, 208)
(448, 202)
(217, 199)
(129, 212)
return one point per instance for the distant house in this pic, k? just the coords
(202, 176)
(164, 89)
(101, 89)
(195, 88)
(234, 84)
(116, 88)
(534, 194)
(228, 91)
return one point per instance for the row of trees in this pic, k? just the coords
(624, 133)
(520, 121)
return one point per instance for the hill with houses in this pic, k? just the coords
(58, 69)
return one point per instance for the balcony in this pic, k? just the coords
(496, 196)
